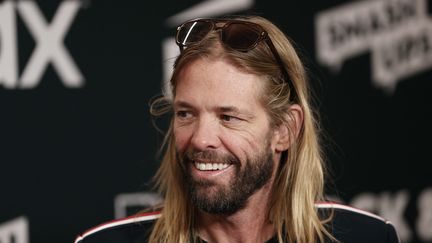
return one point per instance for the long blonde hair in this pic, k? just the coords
(299, 182)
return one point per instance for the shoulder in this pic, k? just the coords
(349, 224)
(135, 228)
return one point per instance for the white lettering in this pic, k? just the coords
(15, 231)
(49, 39)
(49, 48)
(388, 206)
(392, 208)
(169, 52)
(210, 8)
(352, 29)
(365, 201)
(424, 221)
(142, 200)
(408, 51)
(8, 49)
(397, 32)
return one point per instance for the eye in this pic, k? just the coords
(182, 114)
(228, 118)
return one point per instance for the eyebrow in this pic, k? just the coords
(230, 109)
(183, 104)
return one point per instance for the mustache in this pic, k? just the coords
(209, 155)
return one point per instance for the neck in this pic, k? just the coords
(250, 224)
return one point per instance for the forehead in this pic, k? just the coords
(218, 82)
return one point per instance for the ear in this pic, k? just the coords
(287, 132)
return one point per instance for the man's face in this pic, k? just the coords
(222, 134)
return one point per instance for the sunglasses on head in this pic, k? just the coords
(235, 34)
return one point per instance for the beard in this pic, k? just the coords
(214, 198)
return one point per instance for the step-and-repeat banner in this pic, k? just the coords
(78, 147)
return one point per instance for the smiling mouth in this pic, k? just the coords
(210, 166)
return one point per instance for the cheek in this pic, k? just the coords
(182, 138)
(255, 138)
(242, 145)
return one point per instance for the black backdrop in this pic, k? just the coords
(79, 149)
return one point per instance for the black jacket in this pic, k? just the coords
(348, 225)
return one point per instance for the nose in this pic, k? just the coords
(206, 134)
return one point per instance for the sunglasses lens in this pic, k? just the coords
(240, 36)
(193, 32)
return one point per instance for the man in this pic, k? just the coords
(242, 161)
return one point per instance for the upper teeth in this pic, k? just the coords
(210, 166)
